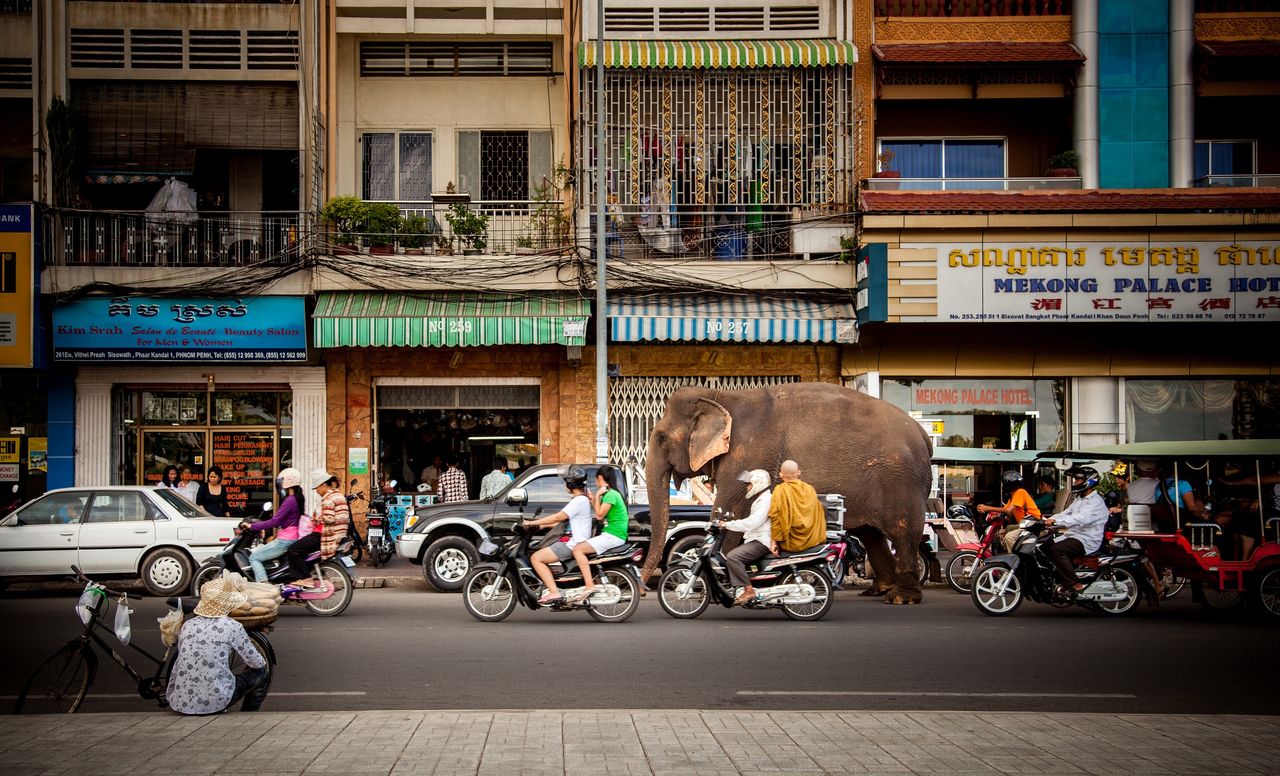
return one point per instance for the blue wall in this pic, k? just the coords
(1133, 93)
(62, 431)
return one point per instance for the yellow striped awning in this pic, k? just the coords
(716, 54)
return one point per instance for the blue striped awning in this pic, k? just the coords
(730, 319)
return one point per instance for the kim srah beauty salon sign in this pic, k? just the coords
(263, 328)
(1108, 281)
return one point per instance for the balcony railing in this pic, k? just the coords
(1250, 181)
(528, 225)
(973, 8)
(187, 239)
(970, 184)
(743, 233)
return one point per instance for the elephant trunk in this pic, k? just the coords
(657, 477)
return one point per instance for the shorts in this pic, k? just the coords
(604, 542)
(562, 550)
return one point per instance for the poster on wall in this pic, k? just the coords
(1107, 281)
(17, 286)
(37, 455)
(104, 328)
(358, 460)
(10, 449)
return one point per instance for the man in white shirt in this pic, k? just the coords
(1085, 520)
(580, 515)
(496, 480)
(757, 537)
(1142, 490)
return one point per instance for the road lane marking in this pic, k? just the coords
(930, 694)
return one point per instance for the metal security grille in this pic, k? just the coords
(504, 166)
(636, 405)
(446, 397)
(195, 50)
(723, 138)
(729, 16)
(384, 59)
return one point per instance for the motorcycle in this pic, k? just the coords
(796, 582)
(330, 589)
(379, 543)
(491, 590)
(356, 541)
(969, 555)
(1114, 580)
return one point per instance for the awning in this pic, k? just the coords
(366, 319)
(715, 54)
(730, 319)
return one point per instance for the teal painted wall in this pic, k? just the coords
(1133, 93)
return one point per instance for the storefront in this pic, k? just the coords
(249, 406)
(473, 377)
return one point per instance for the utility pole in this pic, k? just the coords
(602, 327)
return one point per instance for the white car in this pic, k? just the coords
(134, 531)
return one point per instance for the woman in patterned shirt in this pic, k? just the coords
(201, 681)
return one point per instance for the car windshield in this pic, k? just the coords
(184, 507)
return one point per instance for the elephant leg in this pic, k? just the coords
(881, 561)
(906, 581)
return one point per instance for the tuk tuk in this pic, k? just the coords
(1216, 518)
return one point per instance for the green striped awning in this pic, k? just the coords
(377, 320)
(719, 53)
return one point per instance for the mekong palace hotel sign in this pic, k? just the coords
(1107, 281)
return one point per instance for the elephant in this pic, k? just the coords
(867, 450)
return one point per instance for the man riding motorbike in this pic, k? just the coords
(757, 534)
(1085, 520)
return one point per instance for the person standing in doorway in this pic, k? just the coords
(453, 483)
(494, 482)
(211, 496)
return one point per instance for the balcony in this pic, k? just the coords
(1239, 181)
(953, 8)
(83, 238)
(971, 184)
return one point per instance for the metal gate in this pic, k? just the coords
(636, 405)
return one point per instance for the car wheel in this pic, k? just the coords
(446, 562)
(166, 572)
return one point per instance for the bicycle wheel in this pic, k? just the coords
(59, 684)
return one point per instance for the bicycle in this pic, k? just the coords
(61, 682)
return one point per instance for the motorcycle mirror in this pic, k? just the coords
(391, 484)
(423, 487)
(14, 489)
(266, 506)
(353, 482)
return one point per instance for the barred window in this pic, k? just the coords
(401, 59)
(396, 166)
(502, 166)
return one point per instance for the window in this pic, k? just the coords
(401, 59)
(396, 166)
(547, 489)
(118, 507)
(1168, 410)
(54, 509)
(502, 166)
(1225, 158)
(180, 504)
(964, 159)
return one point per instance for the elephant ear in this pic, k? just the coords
(709, 433)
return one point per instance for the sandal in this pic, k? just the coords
(550, 598)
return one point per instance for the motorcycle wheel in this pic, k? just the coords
(689, 607)
(1220, 600)
(502, 602)
(206, 573)
(627, 604)
(959, 571)
(1171, 584)
(986, 592)
(343, 590)
(375, 552)
(1120, 577)
(357, 552)
(823, 596)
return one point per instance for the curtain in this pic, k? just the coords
(915, 159)
(975, 158)
(1158, 396)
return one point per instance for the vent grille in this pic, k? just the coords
(795, 19)
(155, 49)
(15, 73)
(272, 49)
(97, 48)
(712, 20)
(214, 50)
(382, 59)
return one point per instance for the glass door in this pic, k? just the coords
(161, 449)
(247, 458)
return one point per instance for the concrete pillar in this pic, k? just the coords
(310, 410)
(93, 433)
(1182, 95)
(1095, 412)
(1084, 34)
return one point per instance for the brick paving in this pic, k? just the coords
(627, 743)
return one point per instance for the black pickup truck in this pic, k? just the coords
(444, 537)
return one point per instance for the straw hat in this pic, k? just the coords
(218, 597)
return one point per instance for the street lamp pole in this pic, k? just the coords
(602, 329)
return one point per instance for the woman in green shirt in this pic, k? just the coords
(609, 507)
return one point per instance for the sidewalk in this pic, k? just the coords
(398, 572)
(639, 742)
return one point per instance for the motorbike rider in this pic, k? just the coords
(330, 523)
(799, 521)
(608, 505)
(578, 513)
(285, 521)
(757, 534)
(1018, 505)
(1085, 520)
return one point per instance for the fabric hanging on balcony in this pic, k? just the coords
(730, 319)
(366, 319)
(719, 54)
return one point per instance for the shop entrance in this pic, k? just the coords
(418, 421)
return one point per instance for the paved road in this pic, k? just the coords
(407, 649)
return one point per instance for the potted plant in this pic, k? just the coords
(346, 217)
(884, 160)
(413, 234)
(381, 225)
(468, 227)
(524, 245)
(1064, 164)
(549, 223)
(444, 245)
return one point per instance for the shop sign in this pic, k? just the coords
(260, 328)
(10, 449)
(247, 460)
(8, 472)
(967, 396)
(1108, 281)
(17, 286)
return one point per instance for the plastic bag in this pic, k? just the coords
(88, 601)
(123, 630)
(306, 526)
(171, 626)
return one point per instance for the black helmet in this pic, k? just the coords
(959, 512)
(1086, 473)
(1011, 477)
(574, 477)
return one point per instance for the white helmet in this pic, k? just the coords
(757, 481)
(319, 477)
(289, 478)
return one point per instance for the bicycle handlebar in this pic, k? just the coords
(80, 577)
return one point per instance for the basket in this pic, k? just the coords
(255, 621)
